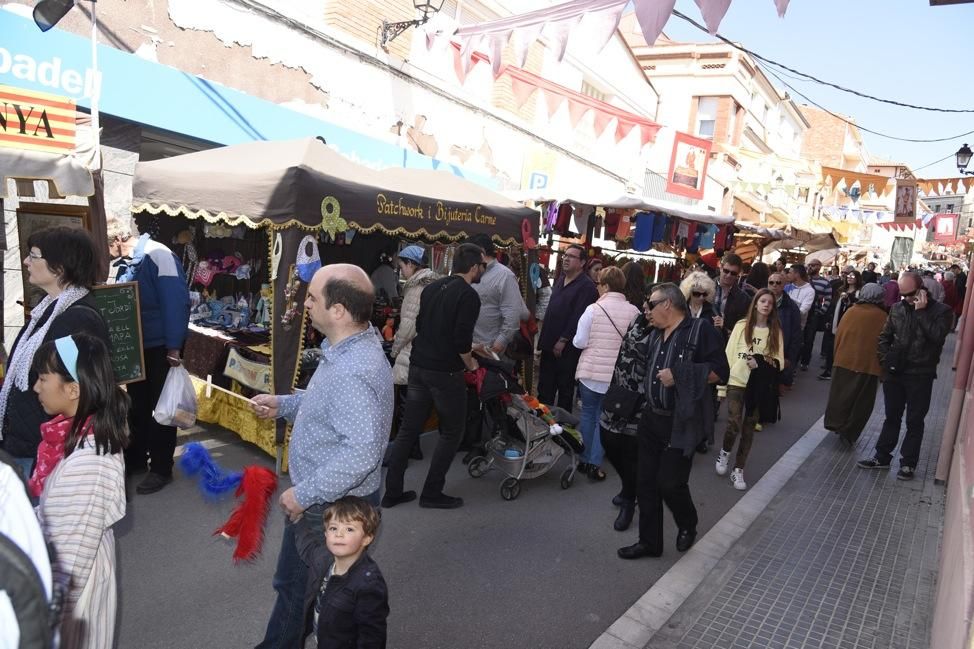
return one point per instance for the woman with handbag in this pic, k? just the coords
(622, 409)
(755, 350)
(599, 335)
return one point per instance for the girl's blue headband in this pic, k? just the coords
(68, 351)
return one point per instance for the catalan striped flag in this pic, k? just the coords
(36, 121)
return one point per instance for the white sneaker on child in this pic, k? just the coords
(721, 465)
(737, 477)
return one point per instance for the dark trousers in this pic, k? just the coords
(473, 435)
(663, 476)
(290, 621)
(148, 439)
(828, 349)
(910, 393)
(808, 342)
(556, 378)
(622, 450)
(448, 393)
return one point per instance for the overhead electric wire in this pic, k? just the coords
(934, 162)
(809, 77)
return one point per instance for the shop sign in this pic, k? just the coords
(36, 121)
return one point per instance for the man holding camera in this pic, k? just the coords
(909, 352)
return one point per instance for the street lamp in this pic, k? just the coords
(963, 159)
(426, 8)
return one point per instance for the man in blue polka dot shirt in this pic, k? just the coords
(341, 428)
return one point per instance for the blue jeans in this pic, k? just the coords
(591, 409)
(290, 621)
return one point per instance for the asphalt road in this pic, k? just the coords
(540, 571)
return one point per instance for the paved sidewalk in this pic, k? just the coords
(837, 557)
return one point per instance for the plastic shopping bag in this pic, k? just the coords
(177, 402)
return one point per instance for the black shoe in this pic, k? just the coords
(685, 539)
(825, 376)
(618, 499)
(804, 367)
(416, 453)
(389, 500)
(624, 519)
(703, 447)
(872, 463)
(584, 468)
(152, 483)
(638, 551)
(905, 473)
(440, 501)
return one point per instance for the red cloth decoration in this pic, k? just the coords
(246, 523)
(475, 379)
(51, 451)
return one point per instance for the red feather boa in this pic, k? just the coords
(246, 523)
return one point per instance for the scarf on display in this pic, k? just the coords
(18, 368)
(51, 451)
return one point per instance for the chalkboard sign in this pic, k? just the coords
(119, 305)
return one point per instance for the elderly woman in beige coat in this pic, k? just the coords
(417, 277)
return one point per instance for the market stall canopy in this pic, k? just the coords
(67, 173)
(633, 202)
(305, 183)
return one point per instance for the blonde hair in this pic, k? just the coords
(613, 278)
(698, 281)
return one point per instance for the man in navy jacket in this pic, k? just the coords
(790, 317)
(164, 309)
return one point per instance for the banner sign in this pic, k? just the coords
(688, 166)
(906, 201)
(945, 228)
(36, 121)
(254, 375)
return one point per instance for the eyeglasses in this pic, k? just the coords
(772, 282)
(652, 304)
(698, 294)
(732, 273)
(35, 256)
(571, 257)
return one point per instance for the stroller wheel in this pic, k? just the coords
(510, 489)
(478, 466)
(567, 478)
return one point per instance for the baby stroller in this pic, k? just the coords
(526, 440)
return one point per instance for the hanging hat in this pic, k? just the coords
(413, 253)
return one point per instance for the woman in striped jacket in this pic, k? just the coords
(82, 470)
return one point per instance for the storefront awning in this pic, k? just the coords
(65, 174)
(632, 202)
(304, 183)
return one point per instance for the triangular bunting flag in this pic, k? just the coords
(522, 91)
(782, 7)
(497, 43)
(623, 128)
(652, 16)
(647, 134)
(557, 33)
(554, 102)
(713, 12)
(602, 121)
(576, 111)
(521, 40)
(599, 26)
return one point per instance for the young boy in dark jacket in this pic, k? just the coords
(350, 598)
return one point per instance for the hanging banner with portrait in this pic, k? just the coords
(906, 201)
(945, 228)
(688, 165)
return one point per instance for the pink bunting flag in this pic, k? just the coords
(652, 16)
(576, 111)
(623, 128)
(522, 91)
(602, 121)
(713, 12)
(554, 102)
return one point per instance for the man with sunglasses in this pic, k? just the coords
(909, 352)
(819, 311)
(667, 435)
(571, 294)
(730, 302)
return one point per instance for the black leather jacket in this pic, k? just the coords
(915, 338)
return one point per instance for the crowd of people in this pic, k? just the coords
(647, 367)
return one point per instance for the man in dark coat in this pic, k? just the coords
(730, 302)
(909, 352)
(790, 317)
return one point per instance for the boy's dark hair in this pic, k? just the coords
(356, 300)
(353, 508)
(69, 253)
(467, 256)
(100, 397)
(801, 270)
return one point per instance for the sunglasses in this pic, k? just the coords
(698, 294)
(652, 304)
(772, 282)
(732, 273)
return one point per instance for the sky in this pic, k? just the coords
(903, 50)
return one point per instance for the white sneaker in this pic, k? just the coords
(737, 477)
(721, 464)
